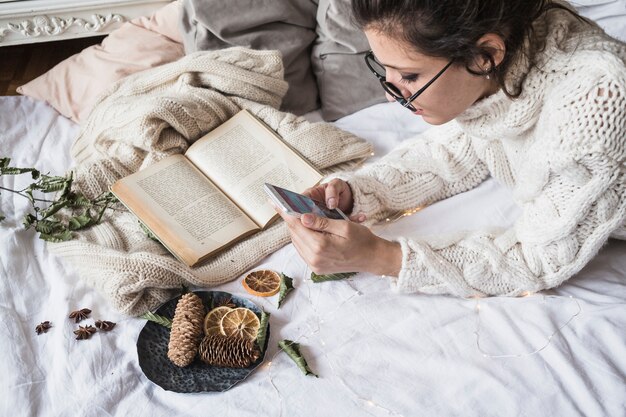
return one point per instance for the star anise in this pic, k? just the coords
(81, 314)
(84, 332)
(43, 327)
(105, 325)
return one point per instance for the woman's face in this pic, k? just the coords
(453, 92)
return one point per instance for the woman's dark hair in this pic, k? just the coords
(452, 28)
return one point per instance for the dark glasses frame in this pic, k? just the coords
(392, 89)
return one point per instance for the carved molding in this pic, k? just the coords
(43, 25)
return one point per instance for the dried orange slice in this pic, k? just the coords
(240, 322)
(213, 319)
(263, 283)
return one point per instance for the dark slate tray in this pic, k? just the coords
(197, 377)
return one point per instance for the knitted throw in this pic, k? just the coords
(160, 112)
(561, 149)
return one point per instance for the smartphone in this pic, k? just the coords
(297, 204)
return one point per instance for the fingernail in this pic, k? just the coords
(331, 202)
(307, 219)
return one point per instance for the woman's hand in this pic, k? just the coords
(335, 194)
(332, 246)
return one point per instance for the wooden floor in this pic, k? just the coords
(22, 63)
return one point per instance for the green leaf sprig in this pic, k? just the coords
(262, 334)
(66, 211)
(292, 349)
(286, 286)
(331, 277)
(148, 232)
(163, 321)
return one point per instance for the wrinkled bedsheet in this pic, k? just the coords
(562, 352)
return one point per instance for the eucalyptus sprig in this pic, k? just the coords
(162, 320)
(56, 210)
(292, 349)
(331, 277)
(286, 286)
(262, 333)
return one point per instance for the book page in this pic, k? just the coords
(188, 213)
(243, 154)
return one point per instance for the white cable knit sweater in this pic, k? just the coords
(560, 147)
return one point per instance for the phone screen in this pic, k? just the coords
(302, 204)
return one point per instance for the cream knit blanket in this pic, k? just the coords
(160, 112)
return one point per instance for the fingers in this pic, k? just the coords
(314, 222)
(316, 193)
(333, 191)
(335, 194)
(311, 222)
(288, 218)
(323, 224)
(358, 218)
(303, 249)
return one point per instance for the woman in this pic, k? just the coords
(526, 91)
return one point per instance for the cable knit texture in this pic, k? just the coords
(559, 147)
(160, 112)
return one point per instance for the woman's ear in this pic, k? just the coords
(495, 45)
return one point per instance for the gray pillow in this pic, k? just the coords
(288, 26)
(345, 83)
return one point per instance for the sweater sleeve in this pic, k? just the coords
(562, 226)
(436, 165)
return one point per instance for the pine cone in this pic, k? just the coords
(186, 330)
(231, 352)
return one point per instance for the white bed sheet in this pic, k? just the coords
(377, 353)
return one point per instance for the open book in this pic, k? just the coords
(205, 200)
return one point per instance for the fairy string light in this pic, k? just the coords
(410, 212)
(317, 330)
(314, 330)
(320, 320)
(525, 354)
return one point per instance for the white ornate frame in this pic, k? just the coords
(29, 21)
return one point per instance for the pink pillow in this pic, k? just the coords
(73, 85)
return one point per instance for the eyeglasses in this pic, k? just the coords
(379, 71)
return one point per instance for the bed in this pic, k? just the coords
(559, 352)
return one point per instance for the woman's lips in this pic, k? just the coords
(419, 112)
